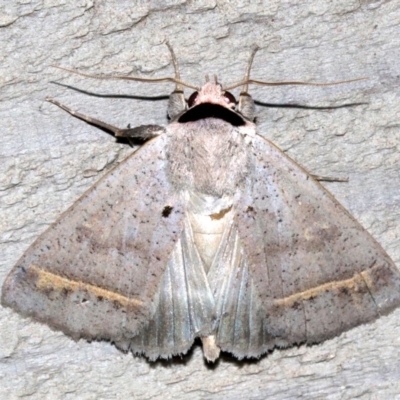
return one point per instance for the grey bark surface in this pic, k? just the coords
(48, 159)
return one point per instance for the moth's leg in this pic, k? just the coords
(143, 132)
(329, 178)
(246, 103)
(176, 101)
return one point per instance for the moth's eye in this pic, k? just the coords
(192, 99)
(229, 98)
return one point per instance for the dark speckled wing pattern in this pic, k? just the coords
(292, 266)
(95, 272)
(301, 268)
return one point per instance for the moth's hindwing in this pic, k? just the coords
(96, 271)
(185, 304)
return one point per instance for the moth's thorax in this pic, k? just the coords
(208, 156)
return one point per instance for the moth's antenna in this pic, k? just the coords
(176, 79)
(246, 105)
(246, 81)
(178, 82)
(176, 101)
(265, 83)
(247, 73)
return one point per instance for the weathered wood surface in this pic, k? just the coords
(48, 159)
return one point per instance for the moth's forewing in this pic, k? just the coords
(308, 270)
(96, 271)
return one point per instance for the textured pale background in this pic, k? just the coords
(49, 158)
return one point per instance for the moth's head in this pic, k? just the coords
(212, 93)
(209, 101)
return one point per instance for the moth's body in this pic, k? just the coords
(207, 231)
(208, 163)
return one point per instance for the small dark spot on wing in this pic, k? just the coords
(166, 212)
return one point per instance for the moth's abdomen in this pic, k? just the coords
(207, 233)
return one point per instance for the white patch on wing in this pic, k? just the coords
(209, 217)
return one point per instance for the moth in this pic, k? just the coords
(207, 231)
